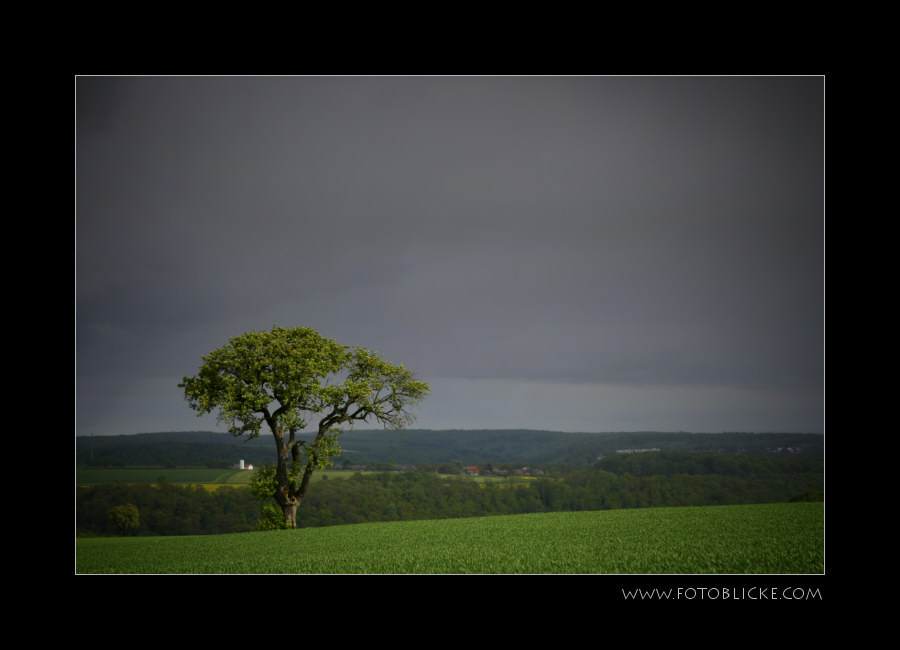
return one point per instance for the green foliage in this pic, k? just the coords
(272, 519)
(450, 468)
(755, 539)
(323, 449)
(242, 379)
(167, 509)
(124, 518)
(281, 375)
(264, 483)
(286, 378)
(670, 463)
(390, 496)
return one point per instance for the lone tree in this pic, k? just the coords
(287, 377)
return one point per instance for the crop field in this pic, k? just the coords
(782, 538)
(180, 475)
(209, 478)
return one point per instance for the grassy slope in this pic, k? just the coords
(776, 539)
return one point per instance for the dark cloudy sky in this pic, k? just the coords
(565, 253)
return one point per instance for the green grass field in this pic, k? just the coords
(784, 538)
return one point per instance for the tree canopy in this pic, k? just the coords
(290, 379)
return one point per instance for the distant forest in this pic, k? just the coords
(639, 480)
(470, 447)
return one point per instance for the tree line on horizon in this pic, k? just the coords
(625, 481)
(524, 447)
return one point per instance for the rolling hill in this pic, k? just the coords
(527, 447)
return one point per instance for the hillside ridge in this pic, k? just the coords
(470, 446)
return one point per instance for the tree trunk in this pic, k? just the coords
(283, 496)
(290, 513)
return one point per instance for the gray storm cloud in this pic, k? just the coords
(633, 236)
